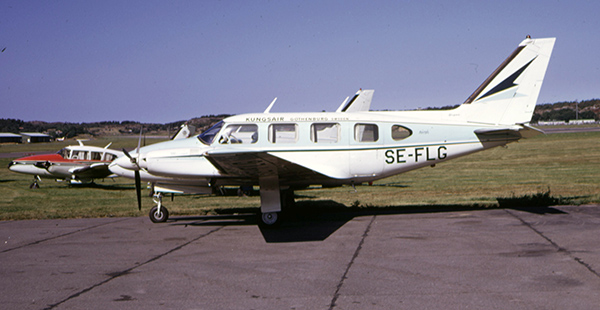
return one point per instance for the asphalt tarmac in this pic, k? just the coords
(438, 258)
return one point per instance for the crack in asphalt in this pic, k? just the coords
(61, 235)
(115, 275)
(555, 245)
(336, 295)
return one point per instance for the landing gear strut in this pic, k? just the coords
(35, 184)
(158, 213)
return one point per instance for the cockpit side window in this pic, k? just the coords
(109, 157)
(239, 134)
(208, 136)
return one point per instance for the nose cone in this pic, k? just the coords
(11, 166)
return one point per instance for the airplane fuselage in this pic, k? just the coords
(325, 148)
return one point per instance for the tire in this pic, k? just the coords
(161, 217)
(269, 219)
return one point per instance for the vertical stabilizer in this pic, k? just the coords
(509, 95)
(359, 103)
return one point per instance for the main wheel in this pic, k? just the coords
(159, 217)
(270, 219)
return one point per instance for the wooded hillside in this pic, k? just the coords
(561, 111)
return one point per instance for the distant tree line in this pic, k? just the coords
(70, 130)
(567, 110)
(55, 129)
(562, 111)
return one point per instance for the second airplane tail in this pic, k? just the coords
(509, 95)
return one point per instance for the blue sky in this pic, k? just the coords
(164, 61)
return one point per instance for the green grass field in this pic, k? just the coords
(567, 165)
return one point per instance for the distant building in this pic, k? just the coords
(7, 137)
(35, 137)
(581, 121)
(550, 123)
(570, 122)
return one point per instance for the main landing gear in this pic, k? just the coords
(271, 197)
(158, 213)
(272, 201)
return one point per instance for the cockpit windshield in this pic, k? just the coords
(208, 136)
(64, 153)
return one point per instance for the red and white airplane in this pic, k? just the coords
(75, 164)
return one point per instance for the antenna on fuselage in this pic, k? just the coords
(268, 110)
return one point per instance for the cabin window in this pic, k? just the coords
(96, 156)
(400, 133)
(325, 132)
(366, 133)
(239, 134)
(283, 133)
(80, 155)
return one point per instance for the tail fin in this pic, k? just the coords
(509, 95)
(185, 131)
(360, 102)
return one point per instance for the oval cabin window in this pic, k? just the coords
(400, 132)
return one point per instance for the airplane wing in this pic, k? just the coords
(507, 133)
(93, 171)
(252, 165)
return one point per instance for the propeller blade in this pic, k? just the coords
(139, 141)
(138, 148)
(126, 153)
(138, 189)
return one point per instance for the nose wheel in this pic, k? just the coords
(158, 213)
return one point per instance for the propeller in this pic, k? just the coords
(136, 162)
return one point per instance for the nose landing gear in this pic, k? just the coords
(158, 213)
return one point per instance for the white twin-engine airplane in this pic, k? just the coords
(281, 152)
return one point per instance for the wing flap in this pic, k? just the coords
(252, 165)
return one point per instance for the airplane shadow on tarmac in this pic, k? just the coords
(317, 220)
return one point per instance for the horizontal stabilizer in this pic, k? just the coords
(507, 133)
